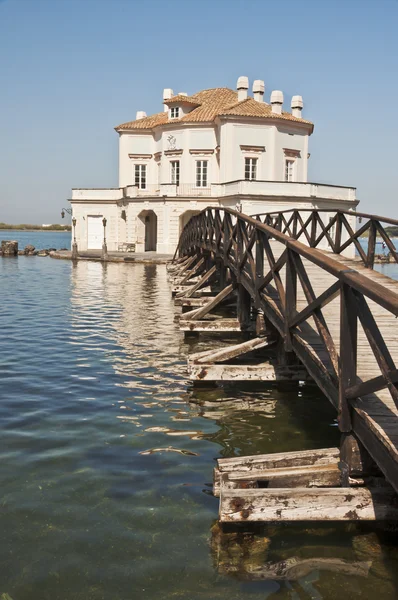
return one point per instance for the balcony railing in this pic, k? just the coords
(240, 187)
(285, 188)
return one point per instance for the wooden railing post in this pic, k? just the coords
(371, 244)
(291, 297)
(244, 298)
(348, 354)
(226, 236)
(337, 237)
(259, 266)
(313, 229)
(295, 224)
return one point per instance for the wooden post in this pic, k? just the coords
(244, 307)
(371, 245)
(295, 224)
(348, 354)
(313, 229)
(226, 235)
(291, 298)
(222, 273)
(259, 266)
(355, 460)
(337, 238)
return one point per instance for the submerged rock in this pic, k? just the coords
(9, 247)
(43, 253)
(29, 250)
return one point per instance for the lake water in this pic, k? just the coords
(106, 453)
(39, 239)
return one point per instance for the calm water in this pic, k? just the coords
(39, 239)
(106, 453)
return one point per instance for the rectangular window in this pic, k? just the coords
(175, 172)
(289, 170)
(201, 173)
(140, 176)
(250, 169)
(174, 112)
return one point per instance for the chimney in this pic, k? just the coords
(258, 90)
(297, 106)
(277, 101)
(242, 86)
(141, 114)
(167, 94)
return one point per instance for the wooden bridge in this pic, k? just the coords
(300, 283)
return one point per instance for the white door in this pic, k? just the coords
(95, 233)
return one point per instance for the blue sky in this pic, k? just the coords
(71, 70)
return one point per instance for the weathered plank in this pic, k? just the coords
(216, 325)
(199, 313)
(192, 302)
(308, 504)
(260, 372)
(179, 289)
(189, 275)
(229, 352)
(182, 267)
(249, 464)
(305, 476)
(202, 280)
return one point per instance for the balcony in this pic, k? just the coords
(170, 189)
(97, 194)
(285, 189)
(239, 188)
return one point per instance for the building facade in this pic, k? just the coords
(218, 147)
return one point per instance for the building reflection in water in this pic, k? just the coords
(131, 306)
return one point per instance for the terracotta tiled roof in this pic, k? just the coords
(212, 103)
(252, 108)
(146, 122)
(181, 99)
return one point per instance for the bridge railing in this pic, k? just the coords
(337, 231)
(242, 244)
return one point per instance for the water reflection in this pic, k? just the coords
(331, 559)
(107, 451)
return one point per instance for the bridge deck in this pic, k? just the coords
(375, 418)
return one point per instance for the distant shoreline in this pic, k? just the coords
(33, 230)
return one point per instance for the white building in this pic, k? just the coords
(218, 147)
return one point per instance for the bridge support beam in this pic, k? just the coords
(244, 307)
(355, 460)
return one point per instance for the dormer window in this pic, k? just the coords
(174, 112)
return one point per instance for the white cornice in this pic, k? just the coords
(173, 152)
(202, 151)
(252, 149)
(141, 156)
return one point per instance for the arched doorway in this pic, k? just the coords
(147, 230)
(184, 218)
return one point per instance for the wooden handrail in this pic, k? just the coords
(298, 224)
(373, 290)
(242, 244)
(326, 210)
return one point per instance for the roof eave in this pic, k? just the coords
(272, 120)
